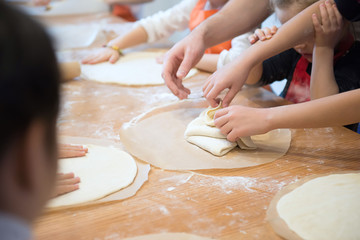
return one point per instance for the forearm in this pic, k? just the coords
(337, 110)
(235, 18)
(255, 75)
(208, 62)
(323, 81)
(133, 38)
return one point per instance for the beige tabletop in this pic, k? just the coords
(224, 204)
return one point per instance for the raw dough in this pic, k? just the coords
(203, 133)
(102, 171)
(169, 236)
(68, 7)
(139, 68)
(160, 133)
(73, 36)
(326, 207)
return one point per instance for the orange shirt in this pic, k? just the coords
(197, 16)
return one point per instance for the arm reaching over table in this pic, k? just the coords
(239, 16)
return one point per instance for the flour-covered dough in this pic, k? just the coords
(134, 69)
(325, 208)
(169, 236)
(203, 133)
(102, 171)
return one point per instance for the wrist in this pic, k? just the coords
(273, 118)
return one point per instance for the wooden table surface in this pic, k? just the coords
(223, 204)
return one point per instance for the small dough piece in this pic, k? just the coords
(326, 208)
(133, 69)
(104, 170)
(203, 133)
(169, 236)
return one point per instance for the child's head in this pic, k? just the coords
(287, 9)
(29, 103)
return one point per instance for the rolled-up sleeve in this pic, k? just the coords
(165, 23)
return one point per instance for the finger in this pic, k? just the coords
(186, 64)
(229, 97)
(253, 38)
(211, 97)
(220, 113)
(70, 181)
(232, 136)
(274, 29)
(98, 60)
(260, 34)
(88, 59)
(62, 176)
(331, 14)
(221, 121)
(209, 86)
(226, 129)
(168, 74)
(316, 23)
(206, 85)
(65, 189)
(114, 58)
(267, 33)
(324, 16)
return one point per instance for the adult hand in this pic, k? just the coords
(69, 150)
(239, 121)
(65, 183)
(103, 55)
(178, 62)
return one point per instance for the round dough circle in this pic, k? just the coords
(160, 133)
(102, 171)
(168, 236)
(133, 69)
(324, 208)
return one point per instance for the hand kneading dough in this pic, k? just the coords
(102, 171)
(203, 133)
(169, 236)
(324, 208)
(133, 69)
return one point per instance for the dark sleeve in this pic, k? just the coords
(350, 9)
(347, 70)
(279, 67)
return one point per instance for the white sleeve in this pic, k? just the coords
(165, 23)
(238, 45)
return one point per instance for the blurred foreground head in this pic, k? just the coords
(29, 104)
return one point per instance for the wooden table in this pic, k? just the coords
(224, 204)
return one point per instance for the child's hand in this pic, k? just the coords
(240, 121)
(328, 33)
(105, 54)
(69, 151)
(65, 183)
(263, 34)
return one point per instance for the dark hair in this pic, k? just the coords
(29, 77)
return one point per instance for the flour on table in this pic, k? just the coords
(169, 236)
(136, 69)
(104, 170)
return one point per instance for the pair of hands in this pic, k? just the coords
(67, 182)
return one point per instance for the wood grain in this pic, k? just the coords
(224, 204)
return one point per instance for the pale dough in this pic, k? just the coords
(203, 133)
(73, 36)
(324, 208)
(68, 7)
(160, 133)
(102, 171)
(139, 68)
(169, 236)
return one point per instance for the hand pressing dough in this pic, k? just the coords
(133, 69)
(102, 171)
(203, 133)
(326, 208)
(160, 133)
(169, 236)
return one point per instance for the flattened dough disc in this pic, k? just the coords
(322, 208)
(169, 236)
(102, 171)
(157, 137)
(133, 69)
